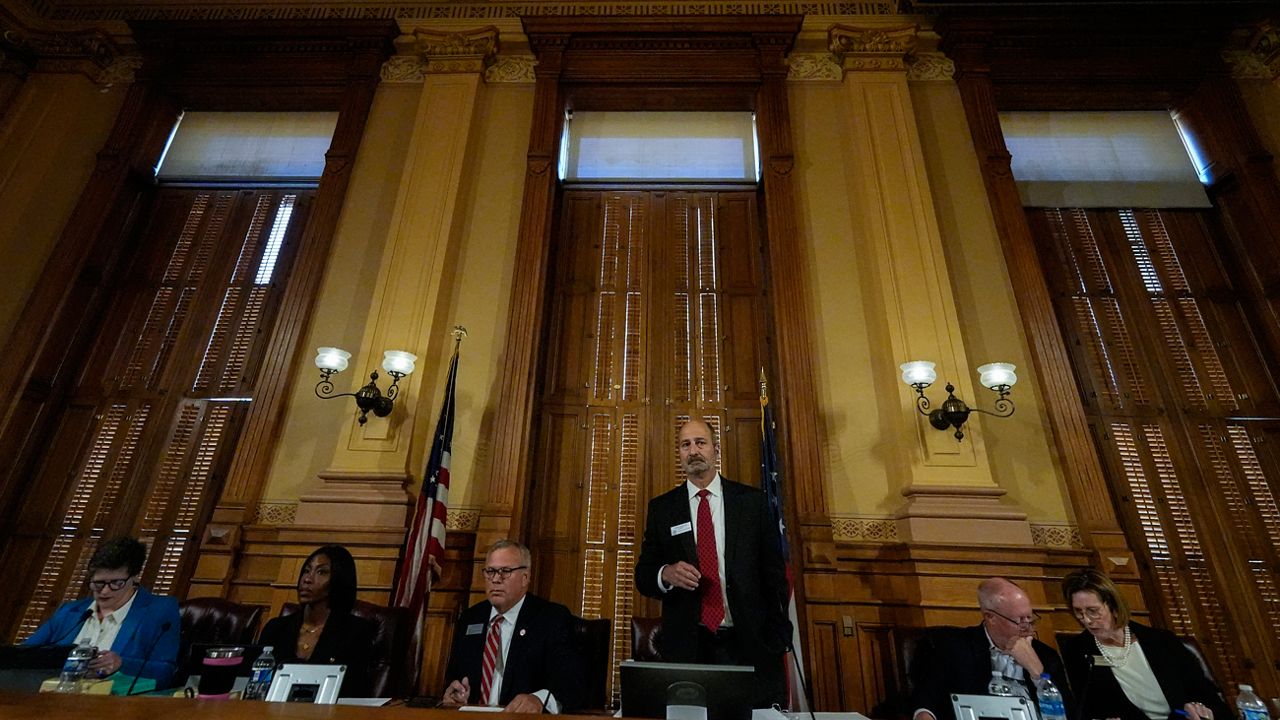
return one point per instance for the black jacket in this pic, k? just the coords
(345, 640)
(1181, 677)
(958, 660)
(541, 656)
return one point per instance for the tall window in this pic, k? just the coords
(657, 316)
(1184, 413)
(150, 426)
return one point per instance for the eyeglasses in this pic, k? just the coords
(1022, 624)
(1092, 613)
(492, 573)
(98, 585)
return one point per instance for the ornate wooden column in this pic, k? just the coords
(508, 481)
(1090, 495)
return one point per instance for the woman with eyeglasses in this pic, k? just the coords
(324, 631)
(1124, 669)
(136, 633)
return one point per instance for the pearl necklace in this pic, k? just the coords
(1120, 657)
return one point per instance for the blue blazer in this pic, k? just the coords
(141, 631)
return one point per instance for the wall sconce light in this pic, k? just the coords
(953, 413)
(332, 361)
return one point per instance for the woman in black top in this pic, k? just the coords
(1124, 669)
(324, 631)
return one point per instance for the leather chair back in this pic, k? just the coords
(590, 638)
(214, 620)
(391, 674)
(896, 673)
(644, 638)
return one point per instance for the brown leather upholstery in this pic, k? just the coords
(896, 673)
(590, 638)
(391, 674)
(644, 639)
(215, 620)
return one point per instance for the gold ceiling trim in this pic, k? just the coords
(408, 13)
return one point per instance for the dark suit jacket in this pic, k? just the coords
(755, 576)
(958, 660)
(143, 632)
(541, 656)
(1181, 677)
(345, 640)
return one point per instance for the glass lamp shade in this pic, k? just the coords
(993, 375)
(398, 361)
(918, 372)
(332, 359)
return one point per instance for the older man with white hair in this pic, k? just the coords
(961, 660)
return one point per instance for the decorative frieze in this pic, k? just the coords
(925, 66)
(1260, 59)
(865, 49)
(511, 69)
(1067, 536)
(462, 520)
(276, 513)
(409, 14)
(461, 52)
(864, 529)
(403, 69)
(813, 67)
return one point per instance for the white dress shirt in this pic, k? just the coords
(102, 633)
(507, 631)
(1139, 683)
(715, 499)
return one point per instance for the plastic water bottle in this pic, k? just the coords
(264, 670)
(75, 667)
(1250, 705)
(1051, 706)
(999, 685)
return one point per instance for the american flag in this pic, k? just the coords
(424, 548)
(771, 483)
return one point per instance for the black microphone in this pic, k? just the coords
(147, 657)
(1084, 692)
(66, 635)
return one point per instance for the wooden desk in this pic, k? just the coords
(52, 706)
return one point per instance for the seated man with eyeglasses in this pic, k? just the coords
(136, 632)
(513, 649)
(961, 660)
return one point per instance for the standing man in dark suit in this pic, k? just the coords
(513, 649)
(960, 660)
(713, 558)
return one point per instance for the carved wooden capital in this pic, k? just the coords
(471, 51)
(1264, 49)
(861, 48)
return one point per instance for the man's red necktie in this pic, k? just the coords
(492, 651)
(709, 566)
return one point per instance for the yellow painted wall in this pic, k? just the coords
(857, 376)
(48, 145)
(474, 294)
(847, 321)
(478, 293)
(1020, 448)
(310, 425)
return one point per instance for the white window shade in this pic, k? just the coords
(1101, 159)
(265, 146)
(678, 146)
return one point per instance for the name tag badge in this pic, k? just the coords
(475, 629)
(1101, 661)
(681, 529)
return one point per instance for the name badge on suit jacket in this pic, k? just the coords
(475, 629)
(681, 529)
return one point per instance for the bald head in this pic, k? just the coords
(1006, 610)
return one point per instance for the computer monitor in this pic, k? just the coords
(731, 689)
(24, 667)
